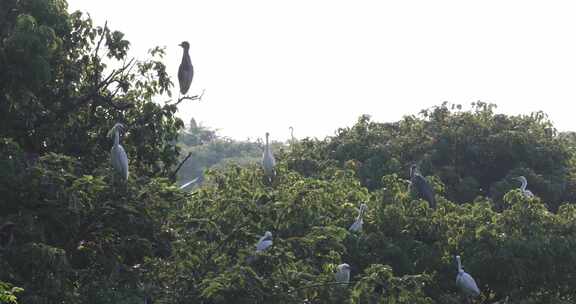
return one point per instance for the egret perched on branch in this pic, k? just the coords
(422, 186)
(185, 71)
(343, 273)
(357, 225)
(264, 242)
(117, 153)
(527, 193)
(465, 282)
(268, 161)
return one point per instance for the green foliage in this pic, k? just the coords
(208, 150)
(475, 153)
(8, 293)
(77, 236)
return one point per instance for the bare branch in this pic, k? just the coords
(115, 73)
(195, 97)
(180, 165)
(101, 38)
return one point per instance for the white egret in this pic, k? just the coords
(264, 242)
(465, 282)
(357, 225)
(343, 273)
(268, 161)
(117, 153)
(186, 70)
(422, 186)
(524, 182)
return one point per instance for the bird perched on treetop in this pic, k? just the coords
(117, 153)
(422, 186)
(343, 273)
(268, 161)
(357, 225)
(524, 182)
(264, 242)
(185, 71)
(465, 282)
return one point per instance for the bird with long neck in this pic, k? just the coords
(465, 282)
(268, 161)
(357, 225)
(186, 70)
(117, 153)
(264, 242)
(421, 186)
(524, 182)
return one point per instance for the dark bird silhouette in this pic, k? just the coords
(423, 188)
(185, 71)
(6, 234)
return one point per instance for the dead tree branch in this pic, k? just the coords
(180, 165)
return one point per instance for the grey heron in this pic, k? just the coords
(465, 282)
(422, 186)
(117, 153)
(524, 182)
(268, 161)
(342, 273)
(186, 70)
(264, 242)
(357, 225)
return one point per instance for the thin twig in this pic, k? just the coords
(195, 97)
(101, 38)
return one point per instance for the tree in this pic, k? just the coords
(79, 238)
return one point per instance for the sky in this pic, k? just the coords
(318, 65)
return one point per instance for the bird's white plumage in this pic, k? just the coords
(357, 225)
(118, 155)
(342, 273)
(524, 182)
(268, 161)
(465, 282)
(264, 242)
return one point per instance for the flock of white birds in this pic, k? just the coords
(119, 159)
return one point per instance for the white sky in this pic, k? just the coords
(317, 65)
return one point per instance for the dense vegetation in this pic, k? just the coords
(81, 237)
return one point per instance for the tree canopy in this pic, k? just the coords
(71, 233)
